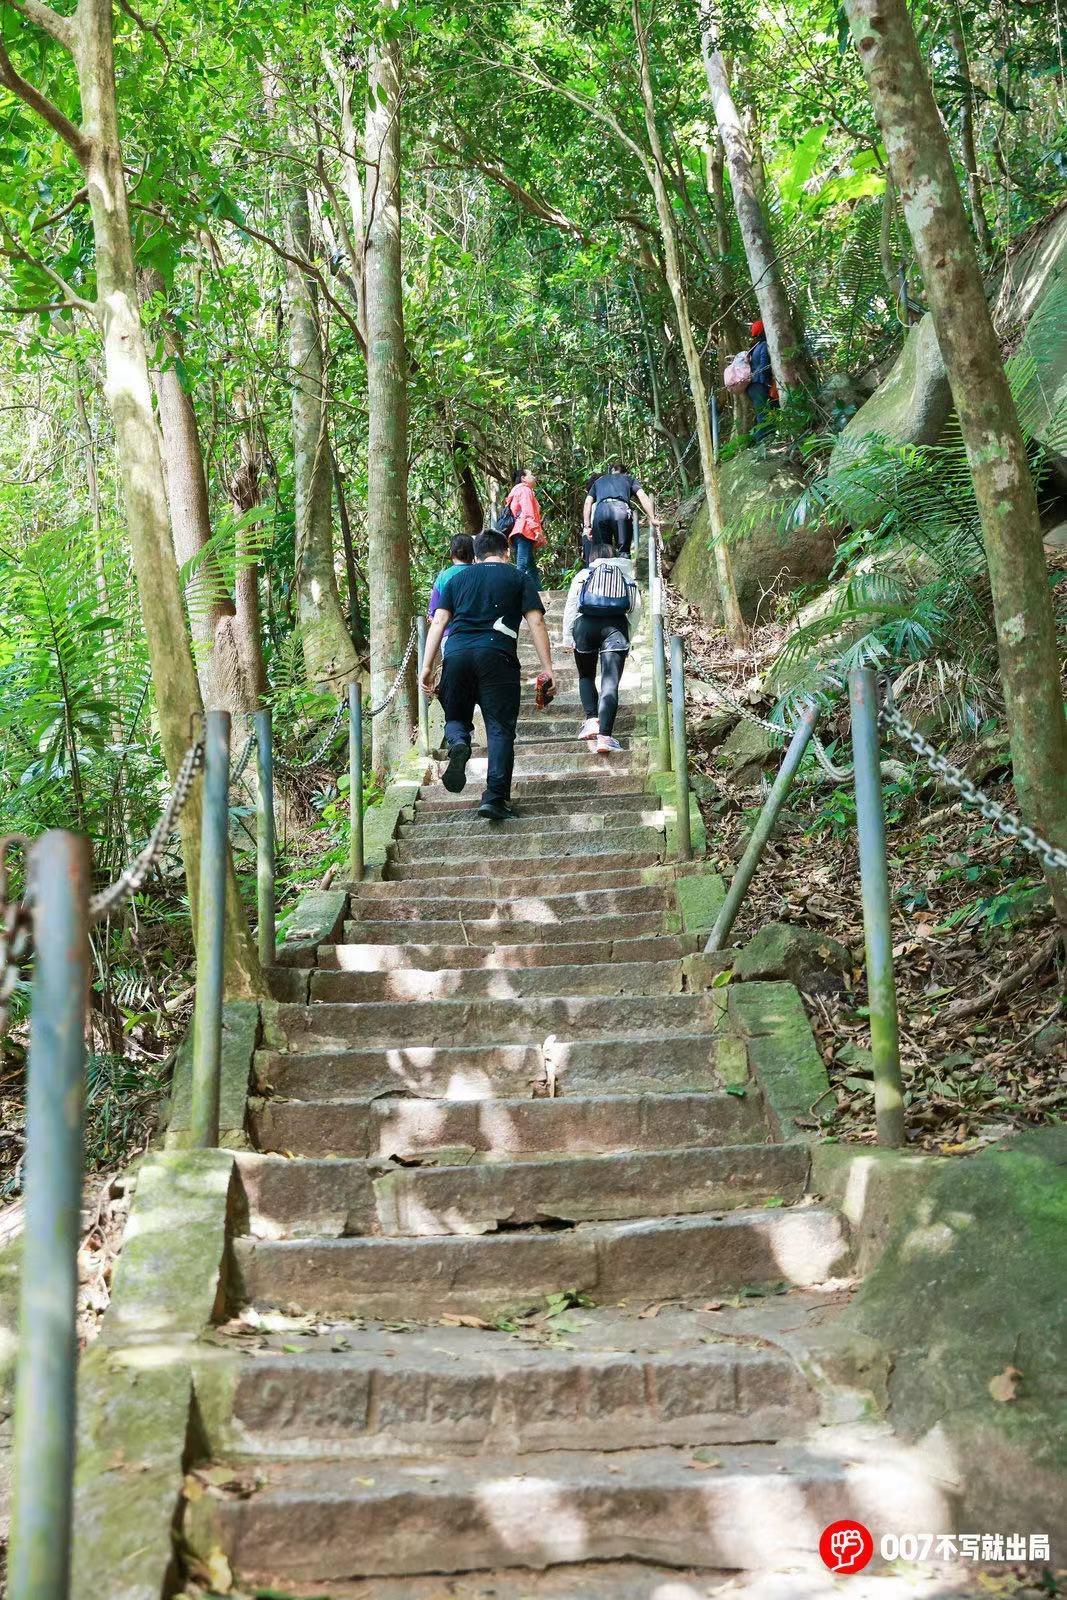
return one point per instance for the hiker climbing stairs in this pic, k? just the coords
(543, 1245)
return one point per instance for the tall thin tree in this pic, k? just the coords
(922, 166)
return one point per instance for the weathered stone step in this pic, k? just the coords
(525, 1127)
(452, 830)
(416, 929)
(327, 1025)
(501, 957)
(688, 1256)
(402, 903)
(570, 877)
(762, 1506)
(566, 722)
(667, 1064)
(561, 762)
(588, 978)
(467, 1390)
(503, 865)
(543, 796)
(530, 740)
(488, 850)
(482, 1197)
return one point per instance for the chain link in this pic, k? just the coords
(1005, 822)
(313, 760)
(244, 758)
(391, 693)
(129, 881)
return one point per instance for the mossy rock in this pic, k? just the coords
(747, 751)
(803, 956)
(770, 548)
(970, 1287)
(911, 406)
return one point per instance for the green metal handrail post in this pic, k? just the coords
(681, 760)
(424, 699)
(48, 1342)
(659, 659)
(761, 833)
(211, 932)
(877, 926)
(265, 843)
(355, 781)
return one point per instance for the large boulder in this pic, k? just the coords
(770, 548)
(1033, 301)
(911, 406)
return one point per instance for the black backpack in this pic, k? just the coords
(506, 520)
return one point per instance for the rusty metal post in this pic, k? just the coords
(659, 658)
(424, 699)
(59, 872)
(211, 932)
(265, 842)
(761, 833)
(635, 545)
(877, 924)
(681, 759)
(355, 781)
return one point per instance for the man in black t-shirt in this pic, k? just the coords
(483, 608)
(607, 514)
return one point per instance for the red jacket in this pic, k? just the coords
(527, 513)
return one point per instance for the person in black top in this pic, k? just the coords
(483, 608)
(606, 515)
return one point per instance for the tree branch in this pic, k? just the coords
(60, 28)
(17, 85)
(73, 299)
(535, 204)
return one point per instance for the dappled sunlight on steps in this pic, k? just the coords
(509, 1088)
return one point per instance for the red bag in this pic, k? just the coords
(545, 691)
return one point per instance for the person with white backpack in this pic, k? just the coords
(596, 626)
(750, 373)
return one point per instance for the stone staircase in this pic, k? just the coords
(532, 1295)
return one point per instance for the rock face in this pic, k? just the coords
(802, 955)
(757, 494)
(910, 407)
(1033, 297)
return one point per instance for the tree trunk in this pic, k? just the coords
(129, 397)
(329, 659)
(734, 333)
(731, 610)
(789, 359)
(248, 623)
(470, 501)
(921, 161)
(355, 622)
(388, 560)
(970, 155)
(211, 610)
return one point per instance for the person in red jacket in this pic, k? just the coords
(527, 534)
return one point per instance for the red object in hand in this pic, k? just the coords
(546, 691)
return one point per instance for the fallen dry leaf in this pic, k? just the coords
(1002, 1388)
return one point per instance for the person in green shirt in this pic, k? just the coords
(461, 550)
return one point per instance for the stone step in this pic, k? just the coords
(562, 762)
(451, 830)
(469, 1390)
(612, 1261)
(486, 1196)
(761, 1506)
(548, 796)
(570, 877)
(504, 863)
(588, 978)
(565, 722)
(530, 739)
(393, 902)
(669, 1064)
(483, 848)
(501, 958)
(337, 1026)
(416, 929)
(525, 1128)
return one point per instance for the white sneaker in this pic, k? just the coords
(589, 728)
(605, 743)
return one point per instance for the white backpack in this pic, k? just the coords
(738, 374)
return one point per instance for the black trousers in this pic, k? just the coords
(613, 524)
(605, 705)
(489, 678)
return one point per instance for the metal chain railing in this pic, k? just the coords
(391, 692)
(243, 759)
(130, 881)
(1005, 821)
(342, 706)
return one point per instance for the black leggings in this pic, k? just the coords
(604, 705)
(613, 524)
